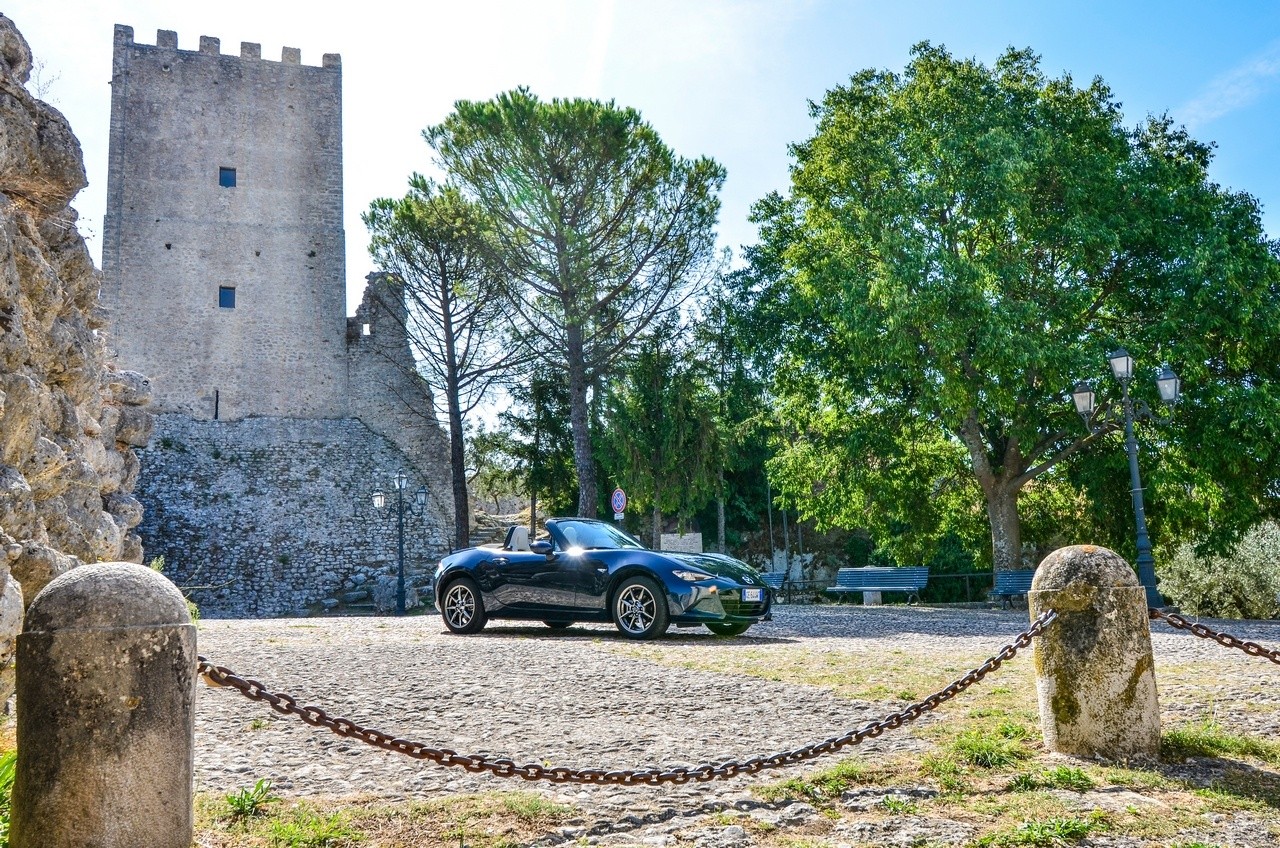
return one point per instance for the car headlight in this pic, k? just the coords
(693, 576)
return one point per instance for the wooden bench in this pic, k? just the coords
(908, 579)
(1011, 584)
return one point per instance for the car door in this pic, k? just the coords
(525, 584)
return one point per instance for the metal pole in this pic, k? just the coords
(1146, 563)
(400, 577)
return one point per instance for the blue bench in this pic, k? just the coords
(1011, 584)
(774, 579)
(908, 579)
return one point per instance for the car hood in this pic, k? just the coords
(721, 566)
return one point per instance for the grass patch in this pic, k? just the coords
(948, 773)
(1048, 833)
(818, 788)
(1210, 739)
(1059, 777)
(990, 752)
(305, 828)
(489, 820)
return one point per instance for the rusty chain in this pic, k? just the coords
(1253, 649)
(315, 716)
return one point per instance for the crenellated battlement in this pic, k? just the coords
(167, 39)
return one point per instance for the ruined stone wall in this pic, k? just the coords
(389, 395)
(270, 516)
(68, 420)
(175, 236)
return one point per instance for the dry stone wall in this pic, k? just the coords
(273, 516)
(69, 422)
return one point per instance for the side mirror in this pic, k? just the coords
(541, 546)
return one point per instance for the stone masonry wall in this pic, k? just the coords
(174, 235)
(270, 516)
(68, 420)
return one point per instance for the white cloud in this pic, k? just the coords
(1234, 90)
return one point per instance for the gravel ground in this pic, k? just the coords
(587, 698)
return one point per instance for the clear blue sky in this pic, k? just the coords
(726, 78)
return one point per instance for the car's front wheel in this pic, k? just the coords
(722, 628)
(639, 609)
(462, 608)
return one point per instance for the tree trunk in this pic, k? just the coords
(1006, 531)
(579, 422)
(458, 463)
(657, 524)
(720, 544)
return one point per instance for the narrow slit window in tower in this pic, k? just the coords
(227, 297)
(227, 177)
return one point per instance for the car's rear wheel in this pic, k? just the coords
(639, 609)
(722, 628)
(558, 625)
(462, 608)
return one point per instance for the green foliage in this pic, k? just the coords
(960, 245)
(250, 801)
(532, 449)
(662, 441)
(600, 228)
(8, 762)
(437, 245)
(1244, 583)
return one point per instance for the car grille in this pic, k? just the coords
(734, 605)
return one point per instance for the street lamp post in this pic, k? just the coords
(400, 481)
(1170, 388)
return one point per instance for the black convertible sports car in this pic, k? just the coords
(588, 570)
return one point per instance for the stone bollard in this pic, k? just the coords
(1094, 674)
(106, 720)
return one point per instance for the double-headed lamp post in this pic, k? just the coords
(400, 481)
(1170, 388)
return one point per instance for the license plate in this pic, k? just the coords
(753, 594)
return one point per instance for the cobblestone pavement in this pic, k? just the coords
(587, 698)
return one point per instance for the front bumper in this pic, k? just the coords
(716, 601)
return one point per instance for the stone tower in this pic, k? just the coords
(223, 232)
(225, 281)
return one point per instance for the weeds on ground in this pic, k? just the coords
(7, 764)
(949, 774)
(991, 752)
(1210, 739)
(1049, 833)
(818, 788)
(1059, 777)
(250, 801)
(305, 828)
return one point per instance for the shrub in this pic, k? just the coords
(1243, 584)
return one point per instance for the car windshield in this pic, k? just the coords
(596, 535)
